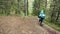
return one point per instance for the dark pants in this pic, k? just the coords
(41, 20)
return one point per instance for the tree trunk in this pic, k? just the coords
(57, 16)
(25, 7)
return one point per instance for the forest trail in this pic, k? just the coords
(23, 25)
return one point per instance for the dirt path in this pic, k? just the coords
(50, 30)
(20, 25)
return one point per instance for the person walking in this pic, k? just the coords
(41, 17)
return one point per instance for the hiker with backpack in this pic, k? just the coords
(41, 17)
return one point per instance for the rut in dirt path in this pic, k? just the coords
(20, 25)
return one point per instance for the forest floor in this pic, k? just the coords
(23, 25)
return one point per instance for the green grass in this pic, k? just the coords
(54, 26)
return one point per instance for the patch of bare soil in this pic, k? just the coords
(20, 25)
(23, 25)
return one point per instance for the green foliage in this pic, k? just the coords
(8, 7)
(36, 7)
(55, 11)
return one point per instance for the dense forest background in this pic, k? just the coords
(32, 8)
